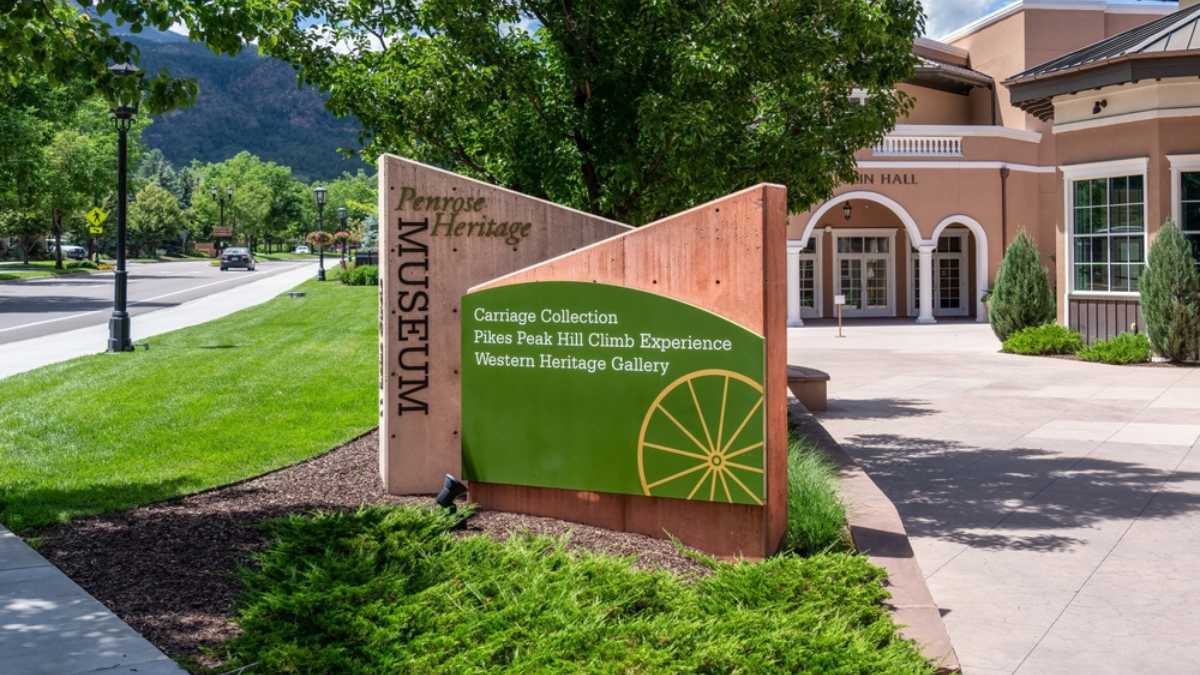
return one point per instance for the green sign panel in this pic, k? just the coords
(587, 386)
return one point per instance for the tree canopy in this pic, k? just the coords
(66, 42)
(625, 108)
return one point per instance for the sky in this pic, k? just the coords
(944, 16)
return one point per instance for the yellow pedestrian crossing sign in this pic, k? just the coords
(96, 217)
(95, 230)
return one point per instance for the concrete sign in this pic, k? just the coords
(440, 234)
(588, 386)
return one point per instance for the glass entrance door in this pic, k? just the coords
(865, 274)
(949, 277)
(949, 285)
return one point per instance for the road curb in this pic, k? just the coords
(878, 532)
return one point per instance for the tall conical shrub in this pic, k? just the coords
(1022, 295)
(1170, 288)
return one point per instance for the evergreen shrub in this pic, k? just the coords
(1170, 287)
(1021, 296)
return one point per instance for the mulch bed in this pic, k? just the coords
(169, 569)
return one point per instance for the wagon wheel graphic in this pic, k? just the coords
(712, 460)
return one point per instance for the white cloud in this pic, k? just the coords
(945, 16)
(179, 28)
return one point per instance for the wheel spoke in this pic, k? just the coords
(728, 497)
(744, 488)
(721, 423)
(748, 448)
(743, 467)
(702, 479)
(683, 429)
(700, 414)
(745, 421)
(677, 451)
(676, 476)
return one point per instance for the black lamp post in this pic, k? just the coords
(341, 214)
(127, 92)
(319, 194)
(223, 199)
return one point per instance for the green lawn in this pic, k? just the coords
(287, 255)
(205, 406)
(35, 269)
(389, 590)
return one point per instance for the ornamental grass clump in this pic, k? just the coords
(1021, 296)
(1049, 338)
(816, 518)
(1170, 287)
(1122, 350)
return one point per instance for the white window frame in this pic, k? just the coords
(796, 313)
(1180, 164)
(1131, 166)
(888, 232)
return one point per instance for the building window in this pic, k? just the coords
(1189, 211)
(1109, 233)
(859, 96)
(808, 275)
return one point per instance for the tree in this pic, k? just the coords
(1021, 296)
(1170, 287)
(66, 187)
(154, 216)
(68, 43)
(626, 109)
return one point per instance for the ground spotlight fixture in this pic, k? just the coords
(1099, 105)
(847, 210)
(452, 489)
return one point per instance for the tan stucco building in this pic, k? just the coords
(1077, 121)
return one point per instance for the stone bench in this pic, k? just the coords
(810, 386)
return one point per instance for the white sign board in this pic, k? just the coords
(839, 299)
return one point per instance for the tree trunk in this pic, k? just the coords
(57, 218)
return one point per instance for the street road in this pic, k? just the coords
(38, 307)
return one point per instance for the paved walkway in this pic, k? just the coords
(18, 357)
(49, 625)
(1054, 505)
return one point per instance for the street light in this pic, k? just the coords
(223, 198)
(127, 92)
(341, 214)
(319, 194)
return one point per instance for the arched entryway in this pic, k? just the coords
(960, 267)
(856, 246)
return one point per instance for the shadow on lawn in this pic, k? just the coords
(1013, 498)
(25, 507)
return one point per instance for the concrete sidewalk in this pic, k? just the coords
(48, 624)
(19, 357)
(1053, 505)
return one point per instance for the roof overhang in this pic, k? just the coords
(1035, 94)
(947, 77)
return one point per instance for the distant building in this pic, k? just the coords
(1077, 121)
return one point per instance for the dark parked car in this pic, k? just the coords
(236, 256)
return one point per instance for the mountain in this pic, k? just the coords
(246, 102)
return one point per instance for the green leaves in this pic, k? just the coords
(67, 43)
(1021, 296)
(627, 109)
(1170, 288)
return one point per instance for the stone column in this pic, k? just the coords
(925, 256)
(793, 284)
